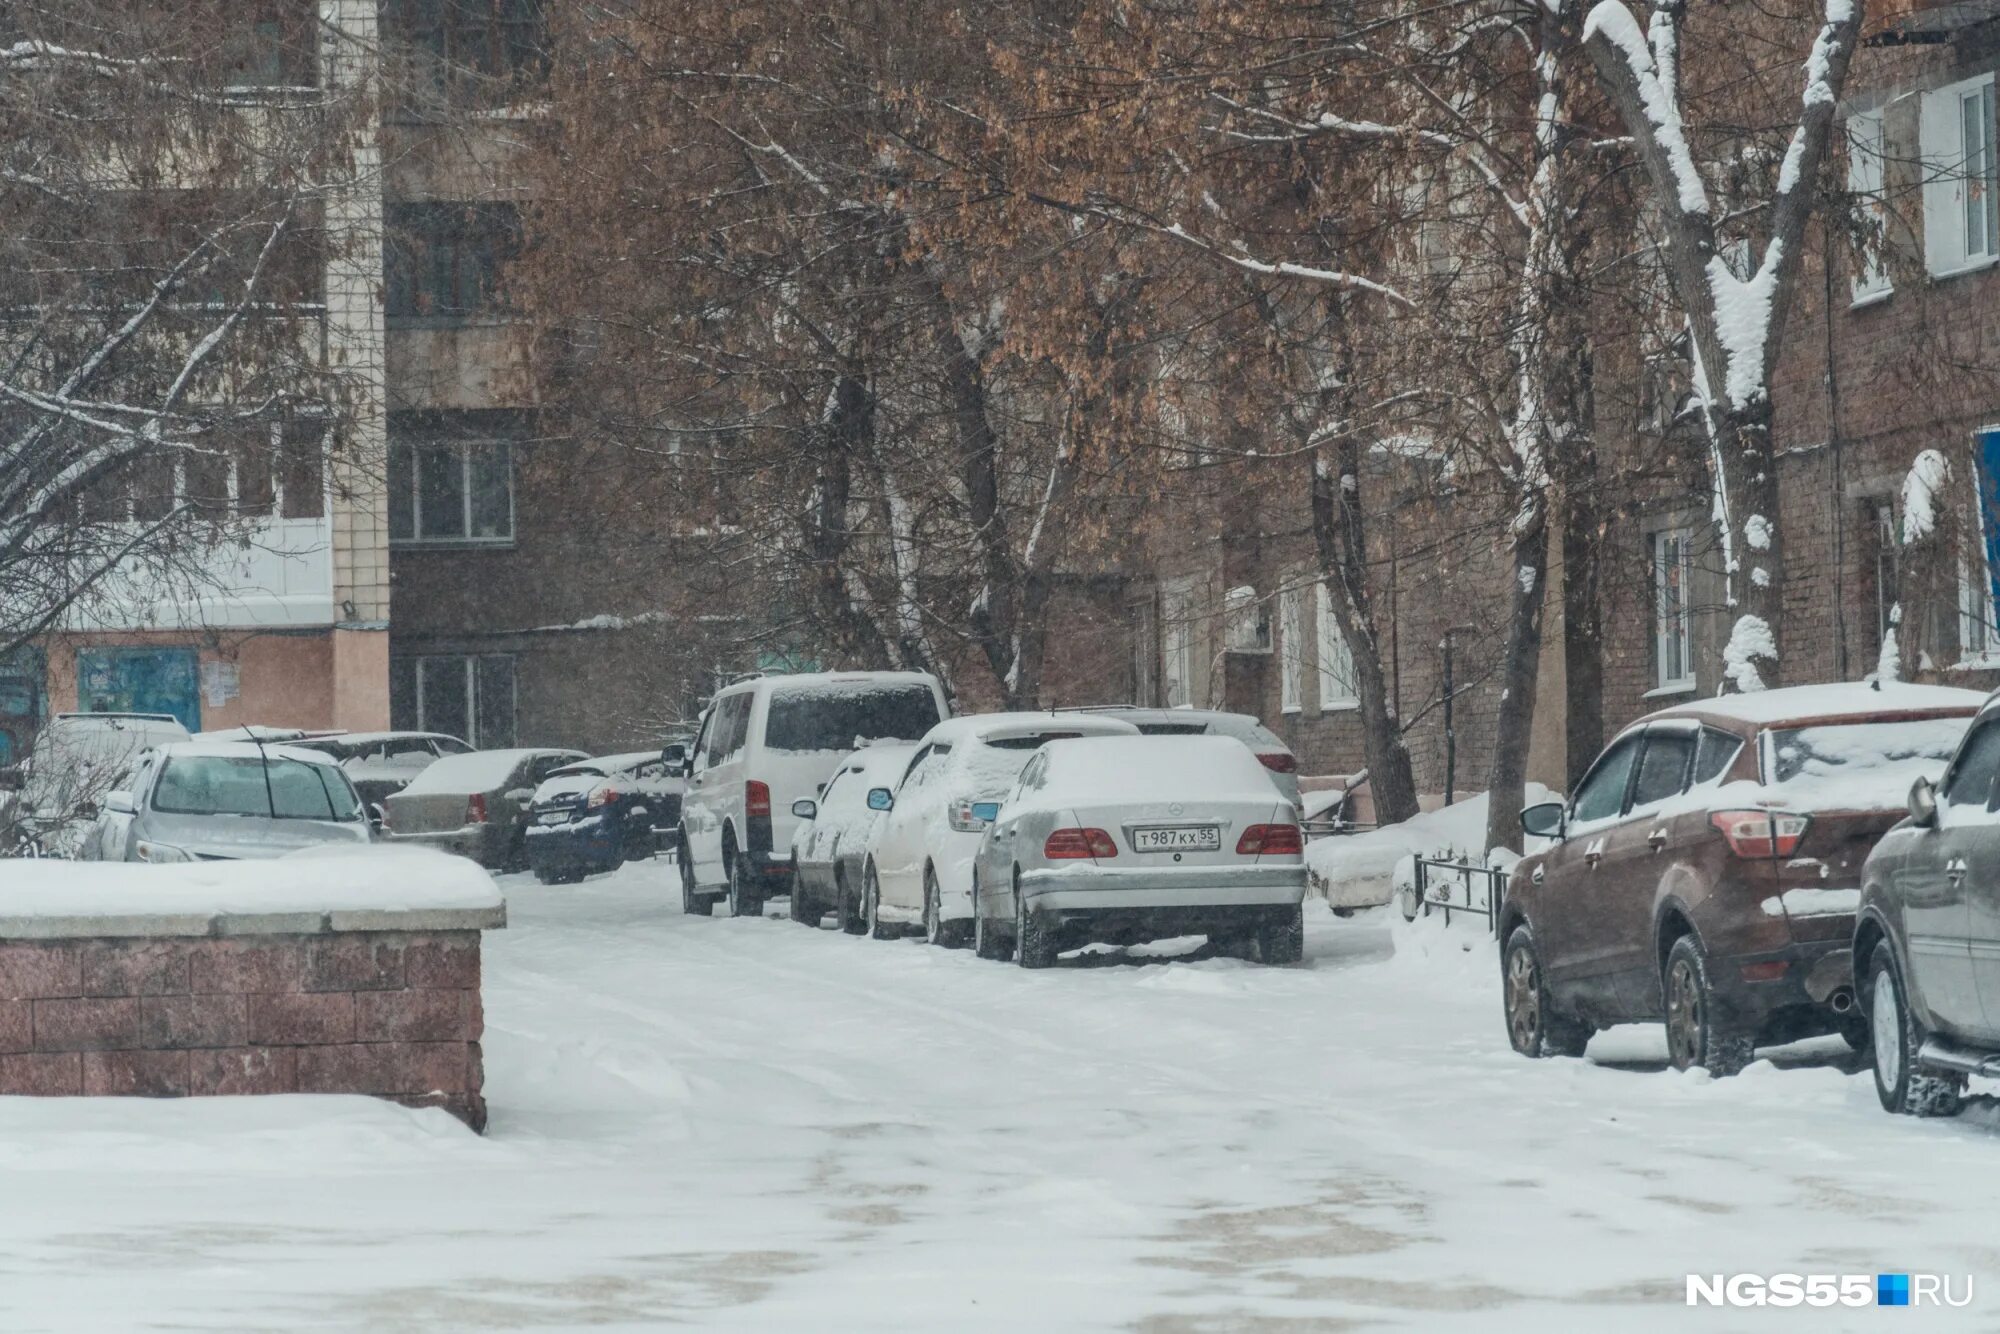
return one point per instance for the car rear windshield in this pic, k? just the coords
(842, 717)
(229, 785)
(1895, 752)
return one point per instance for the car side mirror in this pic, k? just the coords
(881, 799)
(1923, 803)
(1543, 819)
(675, 757)
(119, 803)
(376, 819)
(804, 809)
(11, 779)
(987, 811)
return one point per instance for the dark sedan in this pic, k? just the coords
(598, 814)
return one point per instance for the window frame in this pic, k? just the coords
(1177, 602)
(1689, 732)
(1291, 650)
(1867, 177)
(468, 666)
(465, 446)
(1949, 180)
(1337, 692)
(1636, 740)
(1678, 674)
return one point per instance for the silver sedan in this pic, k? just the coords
(221, 800)
(1125, 839)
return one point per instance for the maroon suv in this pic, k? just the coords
(1707, 870)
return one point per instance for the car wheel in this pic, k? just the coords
(805, 909)
(547, 876)
(1533, 1026)
(987, 943)
(743, 902)
(1284, 942)
(943, 934)
(1034, 947)
(1897, 1038)
(851, 920)
(1697, 1034)
(871, 908)
(692, 903)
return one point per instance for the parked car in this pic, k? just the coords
(1271, 751)
(768, 742)
(920, 867)
(830, 843)
(1124, 839)
(475, 804)
(1927, 936)
(599, 814)
(1706, 871)
(225, 800)
(48, 800)
(381, 764)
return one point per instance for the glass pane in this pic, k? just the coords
(1603, 793)
(403, 712)
(1971, 782)
(153, 487)
(402, 494)
(255, 490)
(1714, 754)
(303, 476)
(492, 490)
(1663, 771)
(205, 480)
(496, 703)
(442, 685)
(440, 491)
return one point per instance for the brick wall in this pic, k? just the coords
(394, 1014)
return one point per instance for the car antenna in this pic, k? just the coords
(270, 801)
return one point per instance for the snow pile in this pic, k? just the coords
(1360, 870)
(1921, 487)
(1839, 699)
(330, 878)
(1749, 640)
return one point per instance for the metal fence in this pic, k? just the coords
(1461, 886)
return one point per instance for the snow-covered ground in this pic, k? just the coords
(746, 1125)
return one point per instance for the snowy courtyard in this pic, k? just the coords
(743, 1124)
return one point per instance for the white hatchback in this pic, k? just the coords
(920, 869)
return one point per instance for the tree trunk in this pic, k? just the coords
(849, 419)
(1338, 533)
(1583, 622)
(1746, 468)
(1520, 672)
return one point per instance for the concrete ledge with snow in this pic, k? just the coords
(327, 971)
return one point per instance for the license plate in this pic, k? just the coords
(553, 817)
(1186, 838)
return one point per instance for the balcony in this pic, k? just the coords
(275, 573)
(1917, 21)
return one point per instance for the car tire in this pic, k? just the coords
(547, 877)
(937, 931)
(805, 909)
(692, 902)
(871, 908)
(1283, 942)
(987, 942)
(1696, 1033)
(1034, 946)
(1534, 1026)
(743, 902)
(851, 920)
(1897, 1038)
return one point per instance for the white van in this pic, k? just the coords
(766, 743)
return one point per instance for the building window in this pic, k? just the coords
(1673, 638)
(1961, 211)
(455, 490)
(1291, 650)
(1887, 584)
(492, 39)
(1336, 660)
(258, 470)
(270, 44)
(469, 696)
(1865, 182)
(1177, 643)
(445, 259)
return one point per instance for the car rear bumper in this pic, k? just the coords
(1101, 888)
(1807, 976)
(484, 843)
(592, 842)
(773, 868)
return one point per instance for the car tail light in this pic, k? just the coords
(1279, 761)
(1761, 833)
(1075, 844)
(1267, 840)
(757, 799)
(475, 808)
(604, 796)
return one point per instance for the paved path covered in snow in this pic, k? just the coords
(746, 1125)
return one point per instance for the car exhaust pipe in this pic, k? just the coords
(1842, 1001)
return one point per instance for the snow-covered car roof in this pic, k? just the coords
(988, 726)
(477, 771)
(612, 764)
(1834, 700)
(830, 678)
(241, 750)
(361, 740)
